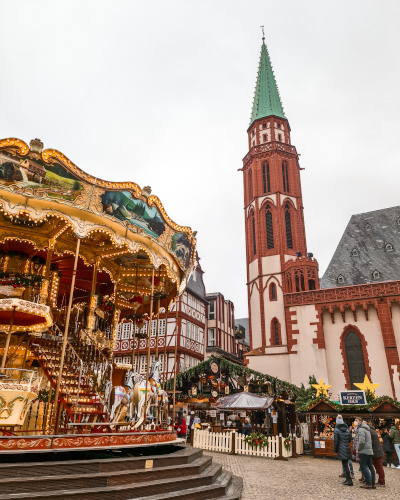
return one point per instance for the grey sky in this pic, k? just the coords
(160, 93)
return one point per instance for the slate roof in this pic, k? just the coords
(370, 243)
(197, 287)
(245, 323)
(266, 97)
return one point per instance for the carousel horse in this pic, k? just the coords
(153, 391)
(121, 398)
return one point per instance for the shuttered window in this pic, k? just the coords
(270, 229)
(266, 178)
(253, 223)
(289, 241)
(285, 177)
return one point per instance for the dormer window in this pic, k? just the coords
(368, 227)
(389, 247)
(340, 279)
(398, 221)
(376, 275)
(354, 253)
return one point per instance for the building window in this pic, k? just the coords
(279, 137)
(340, 279)
(354, 252)
(270, 229)
(289, 240)
(211, 310)
(250, 185)
(275, 332)
(265, 137)
(311, 284)
(354, 358)
(264, 125)
(211, 337)
(285, 177)
(253, 224)
(266, 177)
(376, 275)
(368, 227)
(389, 247)
(272, 292)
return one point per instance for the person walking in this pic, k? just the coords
(377, 456)
(395, 435)
(342, 440)
(365, 451)
(387, 447)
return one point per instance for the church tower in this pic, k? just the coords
(276, 249)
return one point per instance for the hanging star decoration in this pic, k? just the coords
(367, 386)
(321, 388)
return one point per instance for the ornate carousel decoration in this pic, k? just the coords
(78, 256)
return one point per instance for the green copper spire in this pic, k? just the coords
(266, 98)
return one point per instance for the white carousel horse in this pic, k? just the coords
(121, 397)
(153, 391)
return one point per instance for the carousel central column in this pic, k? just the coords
(71, 296)
(93, 296)
(176, 360)
(44, 291)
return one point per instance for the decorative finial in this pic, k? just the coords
(263, 37)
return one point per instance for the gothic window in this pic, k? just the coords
(280, 137)
(288, 226)
(285, 177)
(266, 178)
(265, 137)
(311, 284)
(389, 247)
(250, 180)
(340, 279)
(376, 275)
(253, 225)
(289, 282)
(354, 252)
(368, 227)
(355, 359)
(275, 327)
(264, 125)
(272, 291)
(270, 229)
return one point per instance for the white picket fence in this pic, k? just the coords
(222, 441)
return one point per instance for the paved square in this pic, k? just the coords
(300, 479)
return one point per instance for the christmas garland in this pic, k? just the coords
(235, 371)
(105, 304)
(349, 408)
(19, 280)
(286, 443)
(257, 439)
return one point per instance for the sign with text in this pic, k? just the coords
(352, 398)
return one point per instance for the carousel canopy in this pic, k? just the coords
(243, 401)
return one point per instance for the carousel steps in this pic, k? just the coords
(185, 474)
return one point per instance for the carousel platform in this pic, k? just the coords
(150, 473)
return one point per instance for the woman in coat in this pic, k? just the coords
(387, 447)
(342, 440)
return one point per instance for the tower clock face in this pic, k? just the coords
(214, 367)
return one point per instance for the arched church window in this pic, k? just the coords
(253, 225)
(275, 327)
(285, 177)
(269, 227)
(288, 226)
(250, 180)
(272, 291)
(340, 279)
(354, 358)
(311, 284)
(266, 177)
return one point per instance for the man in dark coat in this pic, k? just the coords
(387, 447)
(377, 457)
(342, 440)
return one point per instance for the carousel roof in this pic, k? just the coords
(46, 201)
(244, 401)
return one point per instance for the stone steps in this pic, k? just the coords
(184, 474)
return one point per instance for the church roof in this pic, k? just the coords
(369, 250)
(266, 98)
(196, 286)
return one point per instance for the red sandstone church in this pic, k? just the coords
(339, 328)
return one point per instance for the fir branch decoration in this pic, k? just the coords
(257, 439)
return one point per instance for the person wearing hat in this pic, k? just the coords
(181, 425)
(342, 440)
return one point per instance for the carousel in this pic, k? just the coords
(78, 257)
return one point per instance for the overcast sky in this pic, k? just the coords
(160, 93)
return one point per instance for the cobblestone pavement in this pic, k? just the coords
(300, 479)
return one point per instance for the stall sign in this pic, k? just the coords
(322, 443)
(194, 391)
(227, 389)
(243, 414)
(316, 444)
(246, 388)
(221, 416)
(352, 398)
(213, 413)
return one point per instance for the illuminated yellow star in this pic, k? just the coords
(321, 388)
(366, 385)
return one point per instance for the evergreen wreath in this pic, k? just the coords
(257, 439)
(286, 443)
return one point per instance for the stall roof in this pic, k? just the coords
(243, 401)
